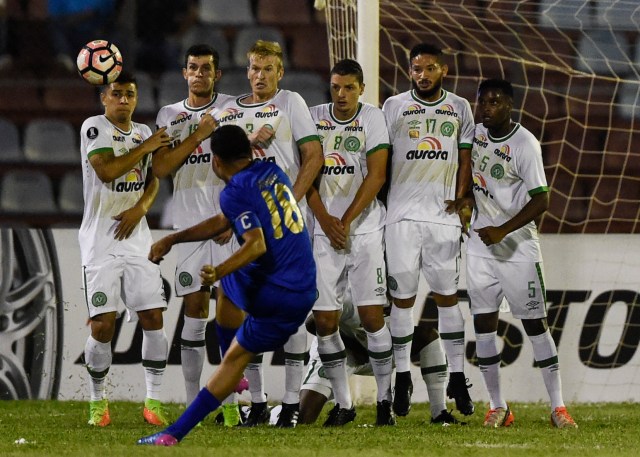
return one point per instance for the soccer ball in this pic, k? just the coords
(99, 62)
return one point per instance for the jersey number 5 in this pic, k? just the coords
(283, 202)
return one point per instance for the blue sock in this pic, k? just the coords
(225, 337)
(199, 408)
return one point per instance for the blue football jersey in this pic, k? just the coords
(261, 196)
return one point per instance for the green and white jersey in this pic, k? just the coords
(506, 173)
(103, 201)
(196, 188)
(425, 139)
(346, 145)
(288, 115)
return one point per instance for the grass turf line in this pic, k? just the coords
(60, 428)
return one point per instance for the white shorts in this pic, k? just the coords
(317, 381)
(191, 257)
(359, 269)
(521, 283)
(414, 247)
(132, 282)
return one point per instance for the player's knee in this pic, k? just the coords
(151, 319)
(103, 327)
(534, 327)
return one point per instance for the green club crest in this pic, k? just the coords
(392, 283)
(352, 144)
(447, 128)
(185, 279)
(497, 171)
(99, 299)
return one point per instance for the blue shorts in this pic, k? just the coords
(273, 315)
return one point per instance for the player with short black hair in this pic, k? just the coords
(503, 253)
(281, 130)
(114, 238)
(196, 191)
(271, 277)
(349, 236)
(431, 131)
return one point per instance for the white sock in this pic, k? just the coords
(192, 352)
(489, 362)
(546, 355)
(155, 349)
(294, 354)
(255, 376)
(98, 357)
(334, 360)
(433, 366)
(401, 326)
(380, 351)
(451, 329)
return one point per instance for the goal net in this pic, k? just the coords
(575, 67)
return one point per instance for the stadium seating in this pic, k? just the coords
(617, 15)
(313, 87)
(566, 14)
(70, 95)
(172, 88)
(309, 48)
(233, 82)
(146, 95)
(283, 12)
(10, 150)
(70, 195)
(247, 36)
(225, 13)
(27, 191)
(597, 45)
(211, 35)
(51, 141)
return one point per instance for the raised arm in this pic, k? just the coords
(108, 166)
(168, 159)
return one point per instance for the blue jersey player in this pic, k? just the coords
(271, 277)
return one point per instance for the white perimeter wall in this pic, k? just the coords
(592, 263)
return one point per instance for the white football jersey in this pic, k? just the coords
(288, 115)
(103, 201)
(506, 172)
(425, 139)
(346, 145)
(196, 188)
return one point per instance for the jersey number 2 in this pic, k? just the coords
(283, 202)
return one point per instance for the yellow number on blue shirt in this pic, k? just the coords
(283, 200)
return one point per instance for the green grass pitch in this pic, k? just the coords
(53, 428)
